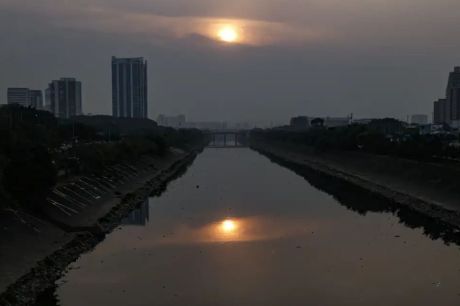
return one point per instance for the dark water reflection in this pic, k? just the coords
(362, 202)
(139, 216)
(239, 230)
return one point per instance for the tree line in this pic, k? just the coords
(380, 136)
(35, 147)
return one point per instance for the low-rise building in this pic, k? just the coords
(172, 121)
(332, 122)
(25, 97)
(19, 96)
(207, 125)
(304, 122)
(419, 119)
(300, 122)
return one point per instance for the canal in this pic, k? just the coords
(239, 230)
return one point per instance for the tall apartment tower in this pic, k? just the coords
(440, 115)
(63, 97)
(447, 110)
(129, 87)
(453, 96)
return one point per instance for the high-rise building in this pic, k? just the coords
(36, 99)
(440, 115)
(19, 96)
(63, 98)
(453, 96)
(129, 87)
(25, 97)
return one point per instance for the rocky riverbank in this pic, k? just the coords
(346, 170)
(61, 245)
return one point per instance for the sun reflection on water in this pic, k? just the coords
(229, 229)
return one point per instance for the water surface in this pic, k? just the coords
(237, 229)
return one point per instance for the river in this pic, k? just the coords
(239, 230)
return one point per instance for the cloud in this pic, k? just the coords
(112, 19)
(324, 57)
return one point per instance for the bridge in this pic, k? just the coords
(228, 138)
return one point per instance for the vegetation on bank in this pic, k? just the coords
(381, 136)
(36, 148)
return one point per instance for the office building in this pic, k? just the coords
(63, 98)
(129, 87)
(440, 115)
(25, 97)
(19, 96)
(453, 96)
(36, 99)
(447, 110)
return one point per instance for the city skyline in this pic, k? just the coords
(312, 57)
(129, 98)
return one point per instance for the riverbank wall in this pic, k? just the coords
(35, 251)
(402, 182)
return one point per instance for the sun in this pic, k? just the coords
(228, 34)
(228, 226)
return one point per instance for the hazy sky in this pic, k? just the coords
(373, 58)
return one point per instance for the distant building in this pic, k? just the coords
(47, 104)
(241, 125)
(300, 122)
(388, 126)
(36, 99)
(419, 119)
(447, 111)
(18, 96)
(63, 98)
(129, 87)
(440, 114)
(207, 125)
(453, 97)
(25, 97)
(362, 121)
(332, 122)
(304, 122)
(172, 121)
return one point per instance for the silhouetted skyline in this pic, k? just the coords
(318, 57)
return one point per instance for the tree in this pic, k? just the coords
(29, 176)
(317, 122)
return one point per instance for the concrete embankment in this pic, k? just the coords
(35, 251)
(410, 184)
